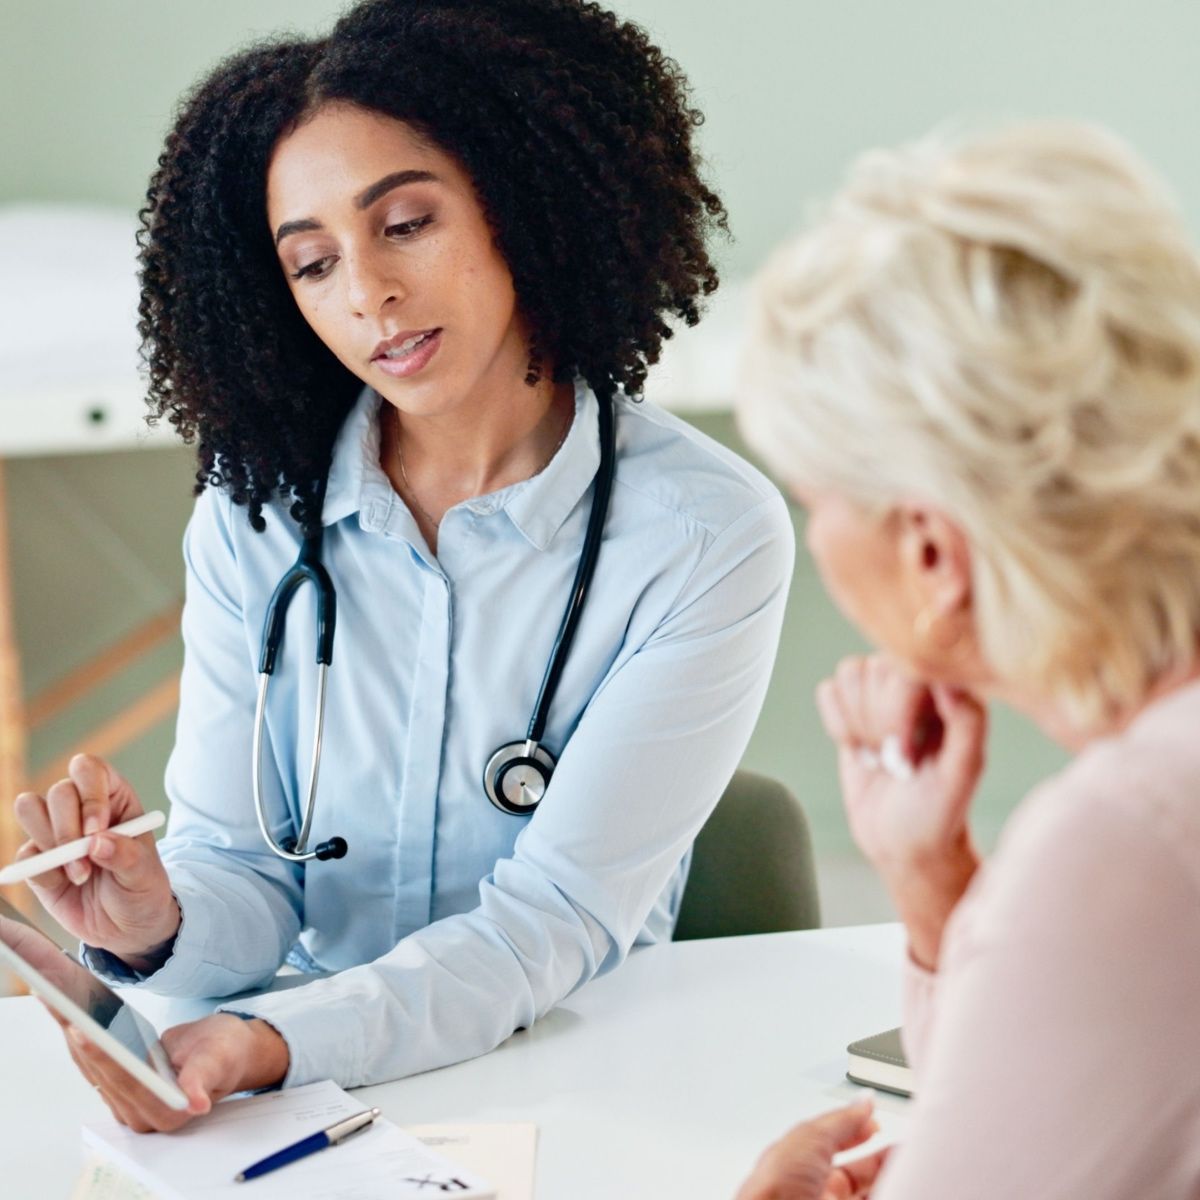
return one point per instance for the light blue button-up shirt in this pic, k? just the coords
(451, 924)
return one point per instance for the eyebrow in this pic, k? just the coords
(364, 199)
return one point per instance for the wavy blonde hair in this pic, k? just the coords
(1008, 328)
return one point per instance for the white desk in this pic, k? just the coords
(663, 1080)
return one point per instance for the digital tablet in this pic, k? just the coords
(73, 992)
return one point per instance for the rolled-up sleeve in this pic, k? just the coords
(652, 752)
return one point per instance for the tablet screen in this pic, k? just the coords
(44, 963)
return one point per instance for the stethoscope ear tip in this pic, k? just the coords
(334, 848)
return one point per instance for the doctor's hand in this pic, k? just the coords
(118, 898)
(800, 1165)
(213, 1058)
(909, 756)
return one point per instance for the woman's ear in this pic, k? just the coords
(935, 560)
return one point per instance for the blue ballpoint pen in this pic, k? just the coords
(310, 1145)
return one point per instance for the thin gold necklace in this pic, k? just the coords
(408, 487)
(436, 522)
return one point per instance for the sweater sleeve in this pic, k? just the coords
(1053, 1066)
(920, 1001)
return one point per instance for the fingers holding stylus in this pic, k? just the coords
(63, 805)
(105, 798)
(90, 798)
(87, 801)
(33, 816)
(106, 889)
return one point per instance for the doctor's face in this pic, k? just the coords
(391, 261)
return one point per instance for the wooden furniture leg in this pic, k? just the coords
(12, 717)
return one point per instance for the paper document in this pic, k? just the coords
(104, 1180)
(505, 1154)
(200, 1161)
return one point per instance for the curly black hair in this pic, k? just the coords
(577, 134)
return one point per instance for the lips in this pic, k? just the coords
(407, 353)
(403, 343)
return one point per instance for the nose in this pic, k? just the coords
(371, 285)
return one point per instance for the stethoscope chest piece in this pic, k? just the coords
(516, 777)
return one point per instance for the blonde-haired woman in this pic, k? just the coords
(981, 374)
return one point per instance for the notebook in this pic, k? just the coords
(879, 1062)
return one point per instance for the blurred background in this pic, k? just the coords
(792, 89)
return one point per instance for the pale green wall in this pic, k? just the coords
(792, 88)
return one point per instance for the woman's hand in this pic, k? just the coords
(800, 1165)
(40, 953)
(118, 898)
(212, 1058)
(909, 756)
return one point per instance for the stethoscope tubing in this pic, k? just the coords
(308, 568)
(297, 852)
(584, 573)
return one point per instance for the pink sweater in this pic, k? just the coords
(1057, 1049)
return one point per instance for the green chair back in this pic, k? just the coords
(752, 865)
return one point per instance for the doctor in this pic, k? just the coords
(397, 286)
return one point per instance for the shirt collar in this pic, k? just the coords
(536, 506)
(355, 461)
(539, 505)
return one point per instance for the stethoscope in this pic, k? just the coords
(518, 773)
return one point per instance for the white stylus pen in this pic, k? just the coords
(27, 868)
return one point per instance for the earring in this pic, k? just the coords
(925, 629)
(923, 625)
